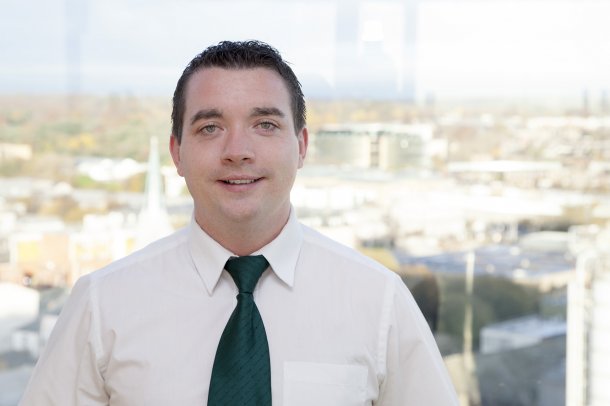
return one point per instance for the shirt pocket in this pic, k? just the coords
(309, 383)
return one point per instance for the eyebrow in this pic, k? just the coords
(267, 111)
(205, 114)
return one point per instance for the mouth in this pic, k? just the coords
(239, 181)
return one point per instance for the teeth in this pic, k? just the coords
(240, 181)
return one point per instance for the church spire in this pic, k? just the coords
(153, 219)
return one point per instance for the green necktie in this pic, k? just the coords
(241, 375)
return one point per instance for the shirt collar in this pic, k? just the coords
(283, 252)
(210, 257)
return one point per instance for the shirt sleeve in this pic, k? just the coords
(67, 373)
(415, 373)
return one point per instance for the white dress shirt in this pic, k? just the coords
(143, 331)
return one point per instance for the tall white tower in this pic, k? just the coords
(153, 220)
(588, 340)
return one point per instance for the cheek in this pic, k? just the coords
(195, 161)
(289, 169)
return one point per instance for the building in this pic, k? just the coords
(544, 269)
(519, 333)
(109, 170)
(18, 306)
(527, 376)
(374, 145)
(15, 152)
(588, 344)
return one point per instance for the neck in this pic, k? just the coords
(242, 238)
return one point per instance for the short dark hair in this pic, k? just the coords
(239, 55)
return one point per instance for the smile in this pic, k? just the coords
(240, 181)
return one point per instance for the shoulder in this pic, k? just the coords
(145, 260)
(332, 256)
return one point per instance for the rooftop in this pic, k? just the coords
(533, 325)
(500, 260)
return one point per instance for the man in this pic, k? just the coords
(158, 327)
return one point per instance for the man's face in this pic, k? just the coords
(239, 152)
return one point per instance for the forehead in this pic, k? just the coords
(224, 88)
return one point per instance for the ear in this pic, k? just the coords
(174, 149)
(303, 140)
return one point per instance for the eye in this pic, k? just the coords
(209, 129)
(267, 125)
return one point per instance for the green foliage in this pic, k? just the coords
(81, 181)
(425, 291)
(509, 299)
(114, 127)
(451, 320)
(494, 300)
(12, 168)
(135, 183)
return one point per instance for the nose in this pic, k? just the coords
(237, 147)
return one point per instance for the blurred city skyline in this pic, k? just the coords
(403, 50)
(495, 214)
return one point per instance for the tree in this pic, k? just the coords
(495, 299)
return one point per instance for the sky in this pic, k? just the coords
(380, 49)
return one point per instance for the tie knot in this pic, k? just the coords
(246, 271)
